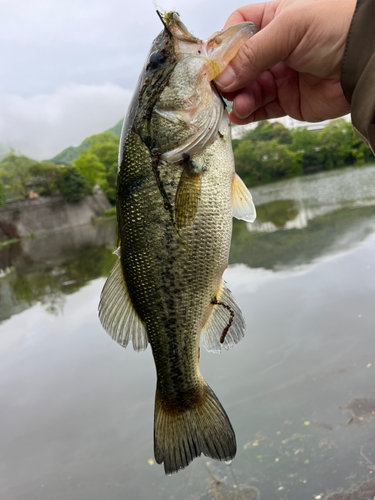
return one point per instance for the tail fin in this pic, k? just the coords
(179, 437)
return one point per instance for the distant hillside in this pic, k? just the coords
(69, 154)
(116, 130)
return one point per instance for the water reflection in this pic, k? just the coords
(307, 218)
(292, 204)
(77, 410)
(52, 266)
(324, 235)
(274, 215)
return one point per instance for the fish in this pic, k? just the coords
(177, 191)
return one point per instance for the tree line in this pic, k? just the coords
(271, 152)
(22, 178)
(267, 153)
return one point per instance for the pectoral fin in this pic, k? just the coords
(226, 325)
(242, 201)
(188, 195)
(116, 312)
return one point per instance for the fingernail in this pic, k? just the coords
(225, 78)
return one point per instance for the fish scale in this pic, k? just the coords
(176, 192)
(167, 265)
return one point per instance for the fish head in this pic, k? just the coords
(179, 110)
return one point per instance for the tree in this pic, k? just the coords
(307, 142)
(98, 163)
(266, 161)
(71, 184)
(335, 144)
(43, 175)
(267, 131)
(15, 176)
(90, 167)
(107, 152)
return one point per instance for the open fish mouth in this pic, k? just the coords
(220, 47)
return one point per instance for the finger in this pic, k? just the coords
(255, 96)
(230, 95)
(288, 89)
(271, 45)
(267, 112)
(256, 13)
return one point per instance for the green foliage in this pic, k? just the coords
(43, 175)
(2, 194)
(335, 144)
(50, 287)
(270, 152)
(110, 212)
(71, 184)
(90, 167)
(270, 250)
(267, 153)
(98, 164)
(279, 212)
(267, 131)
(19, 175)
(16, 176)
(235, 143)
(258, 162)
(339, 146)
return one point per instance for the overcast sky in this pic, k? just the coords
(69, 67)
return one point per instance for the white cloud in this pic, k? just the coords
(66, 62)
(42, 125)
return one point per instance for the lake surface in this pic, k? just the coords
(76, 410)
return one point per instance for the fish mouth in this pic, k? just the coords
(222, 46)
(176, 27)
(219, 49)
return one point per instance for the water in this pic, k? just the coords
(77, 410)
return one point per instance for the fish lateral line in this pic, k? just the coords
(167, 204)
(231, 312)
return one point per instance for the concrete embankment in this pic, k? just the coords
(49, 214)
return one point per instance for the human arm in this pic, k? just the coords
(358, 71)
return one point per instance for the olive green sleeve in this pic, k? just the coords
(358, 71)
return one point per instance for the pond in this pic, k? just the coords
(77, 409)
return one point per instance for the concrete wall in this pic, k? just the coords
(48, 214)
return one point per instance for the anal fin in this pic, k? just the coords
(226, 325)
(116, 312)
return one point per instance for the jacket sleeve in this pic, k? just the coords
(358, 71)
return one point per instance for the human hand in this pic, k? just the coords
(293, 65)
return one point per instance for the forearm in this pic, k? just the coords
(358, 71)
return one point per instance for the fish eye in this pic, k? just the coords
(156, 58)
(218, 40)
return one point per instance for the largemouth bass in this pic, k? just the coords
(176, 193)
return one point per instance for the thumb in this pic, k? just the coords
(272, 44)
